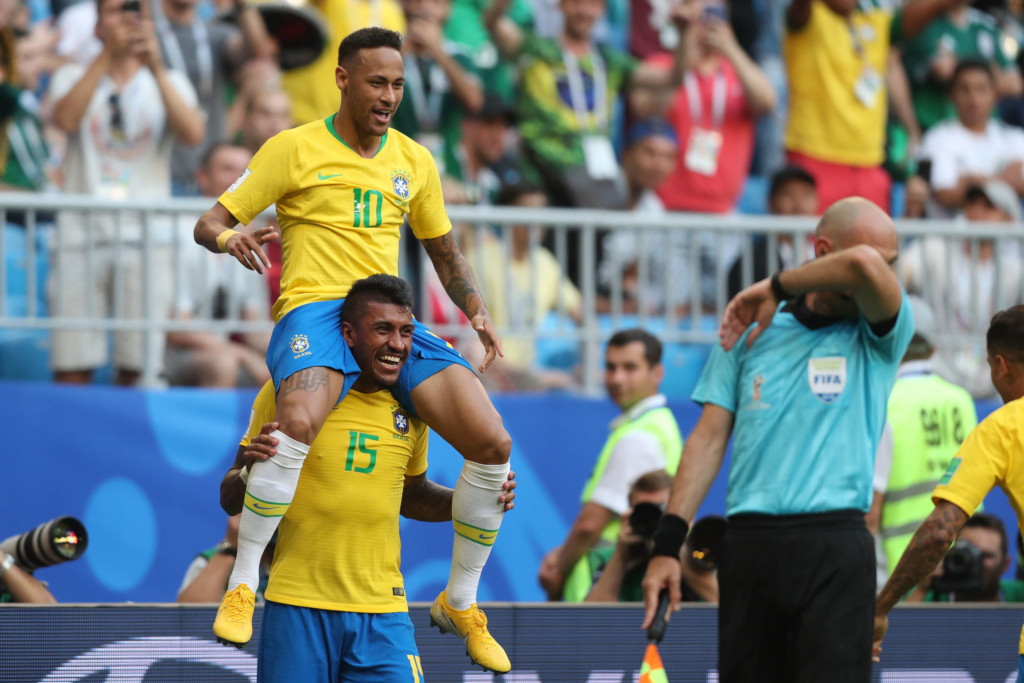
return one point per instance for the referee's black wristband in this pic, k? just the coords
(670, 536)
(778, 290)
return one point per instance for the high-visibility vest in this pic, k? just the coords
(930, 418)
(662, 425)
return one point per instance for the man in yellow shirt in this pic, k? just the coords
(343, 186)
(837, 54)
(990, 457)
(336, 607)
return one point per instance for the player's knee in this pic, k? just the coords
(496, 449)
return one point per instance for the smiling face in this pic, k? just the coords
(380, 339)
(371, 86)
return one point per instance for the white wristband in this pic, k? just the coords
(6, 564)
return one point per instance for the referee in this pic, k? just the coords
(803, 394)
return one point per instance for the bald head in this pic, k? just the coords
(855, 220)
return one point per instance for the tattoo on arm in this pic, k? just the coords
(455, 274)
(425, 501)
(928, 546)
(310, 380)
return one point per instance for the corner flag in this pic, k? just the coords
(652, 670)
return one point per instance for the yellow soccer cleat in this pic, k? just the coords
(470, 625)
(233, 625)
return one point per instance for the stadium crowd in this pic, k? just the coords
(649, 106)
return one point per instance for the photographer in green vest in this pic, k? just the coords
(930, 418)
(644, 438)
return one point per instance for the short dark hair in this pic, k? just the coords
(984, 520)
(1005, 334)
(972, 64)
(212, 150)
(789, 174)
(656, 480)
(652, 345)
(367, 39)
(510, 193)
(379, 288)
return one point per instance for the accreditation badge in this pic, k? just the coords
(703, 150)
(868, 87)
(600, 157)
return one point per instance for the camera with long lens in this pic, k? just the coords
(60, 540)
(962, 570)
(644, 519)
(704, 544)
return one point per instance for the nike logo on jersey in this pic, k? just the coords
(486, 537)
(321, 176)
(264, 507)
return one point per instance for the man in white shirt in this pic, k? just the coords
(966, 282)
(973, 148)
(644, 438)
(122, 113)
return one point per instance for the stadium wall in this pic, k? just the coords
(142, 468)
(172, 644)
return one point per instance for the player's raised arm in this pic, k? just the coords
(457, 277)
(215, 231)
(856, 246)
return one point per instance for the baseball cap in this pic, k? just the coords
(924, 318)
(650, 127)
(1000, 195)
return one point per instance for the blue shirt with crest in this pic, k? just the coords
(809, 402)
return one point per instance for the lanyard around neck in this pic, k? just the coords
(696, 100)
(204, 53)
(577, 93)
(428, 107)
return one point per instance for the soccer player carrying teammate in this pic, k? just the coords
(803, 395)
(343, 187)
(990, 456)
(336, 606)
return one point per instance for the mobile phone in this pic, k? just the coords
(924, 169)
(714, 11)
(131, 6)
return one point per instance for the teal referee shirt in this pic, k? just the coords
(809, 401)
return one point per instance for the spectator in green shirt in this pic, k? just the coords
(931, 58)
(441, 79)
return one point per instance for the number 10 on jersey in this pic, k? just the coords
(366, 208)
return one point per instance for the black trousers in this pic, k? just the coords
(797, 599)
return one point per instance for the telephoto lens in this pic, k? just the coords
(59, 540)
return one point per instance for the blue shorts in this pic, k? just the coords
(1020, 668)
(310, 336)
(307, 645)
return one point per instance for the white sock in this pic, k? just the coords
(476, 515)
(268, 494)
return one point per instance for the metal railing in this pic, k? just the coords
(680, 261)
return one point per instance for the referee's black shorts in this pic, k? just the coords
(797, 599)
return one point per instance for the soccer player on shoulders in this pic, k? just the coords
(342, 187)
(336, 607)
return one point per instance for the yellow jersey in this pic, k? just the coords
(340, 214)
(992, 455)
(836, 73)
(338, 546)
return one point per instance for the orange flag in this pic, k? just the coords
(652, 670)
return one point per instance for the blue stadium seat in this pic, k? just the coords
(754, 200)
(24, 354)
